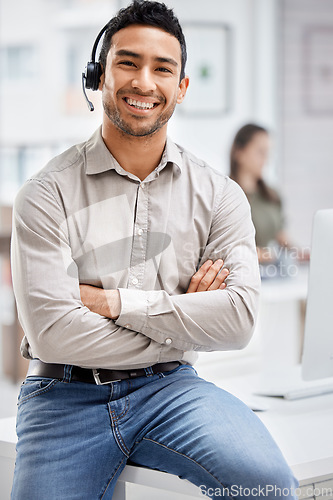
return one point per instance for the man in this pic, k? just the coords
(129, 255)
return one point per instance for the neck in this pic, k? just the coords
(248, 182)
(137, 155)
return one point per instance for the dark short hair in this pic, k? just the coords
(146, 13)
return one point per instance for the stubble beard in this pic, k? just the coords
(113, 114)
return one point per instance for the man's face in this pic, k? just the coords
(140, 86)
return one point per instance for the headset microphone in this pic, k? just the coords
(93, 71)
(90, 104)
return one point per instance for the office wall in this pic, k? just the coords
(251, 75)
(306, 119)
(42, 103)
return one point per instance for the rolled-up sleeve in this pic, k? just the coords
(211, 320)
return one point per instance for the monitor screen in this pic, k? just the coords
(317, 360)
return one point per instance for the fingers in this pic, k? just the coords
(214, 277)
(219, 283)
(197, 277)
(210, 276)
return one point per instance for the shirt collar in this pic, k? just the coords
(171, 154)
(99, 159)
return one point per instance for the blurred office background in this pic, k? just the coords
(264, 61)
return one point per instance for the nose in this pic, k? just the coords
(144, 80)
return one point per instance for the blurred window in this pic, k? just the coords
(19, 62)
(18, 163)
(75, 64)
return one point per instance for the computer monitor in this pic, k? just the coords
(317, 359)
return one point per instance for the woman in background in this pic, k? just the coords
(248, 156)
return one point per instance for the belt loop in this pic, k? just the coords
(67, 373)
(149, 371)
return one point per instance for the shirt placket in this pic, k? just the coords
(139, 246)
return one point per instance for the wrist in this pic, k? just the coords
(103, 302)
(113, 304)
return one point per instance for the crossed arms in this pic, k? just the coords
(210, 276)
(64, 323)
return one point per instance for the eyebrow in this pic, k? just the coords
(129, 53)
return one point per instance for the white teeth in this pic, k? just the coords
(139, 104)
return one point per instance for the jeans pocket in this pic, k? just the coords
(35, 386)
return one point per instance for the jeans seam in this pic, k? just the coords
(125, 410)
(67, 374)
(111, 478)
(117, 434)
(38, 392)
(189, 458)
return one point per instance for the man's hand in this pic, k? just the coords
(100, 301)
(210, 276)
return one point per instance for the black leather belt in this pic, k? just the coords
(98, 376)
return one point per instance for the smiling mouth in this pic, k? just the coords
(140, 104)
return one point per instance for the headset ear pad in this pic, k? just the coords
(93, 75)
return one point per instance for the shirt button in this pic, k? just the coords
(142, 185)
(140, 232)
(168, 341)
(135, 281)
(128, 326)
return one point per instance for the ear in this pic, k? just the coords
(101, 80)
(182, 89)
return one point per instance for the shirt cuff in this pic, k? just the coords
(133, 309)
(134, 314)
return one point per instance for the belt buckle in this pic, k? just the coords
(98, 380)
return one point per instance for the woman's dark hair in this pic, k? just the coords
(146, 13)
(242, 139)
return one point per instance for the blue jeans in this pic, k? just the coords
(74, 439)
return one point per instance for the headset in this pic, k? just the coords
(93, 71)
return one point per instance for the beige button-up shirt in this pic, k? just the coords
(84, 219)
